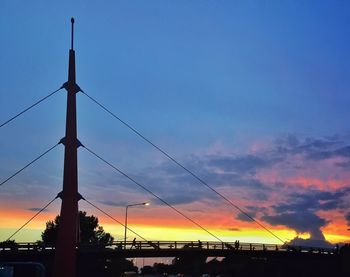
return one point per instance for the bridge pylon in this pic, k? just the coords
(65, 262)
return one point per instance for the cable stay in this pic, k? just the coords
(34, 216)
(183, 167)
(27, 165)
(114, 219)
(30, 107)
(150, 192)
(48, 204)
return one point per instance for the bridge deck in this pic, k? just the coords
(169, 249)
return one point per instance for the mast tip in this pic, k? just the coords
(72, 35)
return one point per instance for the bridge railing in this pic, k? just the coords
(193, 244)
(210, 245)
(25, 246)
(166, 245)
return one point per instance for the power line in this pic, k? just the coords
(149, 191)
(183, 167)
(111, 217)
(27, 165)
(34, 216)
(30, 107)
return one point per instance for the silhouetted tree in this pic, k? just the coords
(90, 230)
(9, 244)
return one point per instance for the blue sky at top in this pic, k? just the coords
(261, 67)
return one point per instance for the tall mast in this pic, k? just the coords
(65, 263)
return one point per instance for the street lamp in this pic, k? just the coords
(126, 217)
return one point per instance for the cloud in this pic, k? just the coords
(177, 199)
(245, 218)
(347, 217)
(343, 152)
(266, 180)
(251, 211)
(239, 164)
(301, 221)
(311, 243)
(291, 144)
(234, 229)
(176, 186)
(316, 149)
(299, 211)
(36, 209)
(238, 174)
(313, 200)
(114, 203)
(345, 164)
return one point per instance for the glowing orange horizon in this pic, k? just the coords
(171, 229)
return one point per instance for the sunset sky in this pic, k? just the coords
(252, 96)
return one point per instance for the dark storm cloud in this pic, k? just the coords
(301, 221)
(313, 200)
(299, 211)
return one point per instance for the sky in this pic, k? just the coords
(252, 96)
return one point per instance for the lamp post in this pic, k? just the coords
(126, 217)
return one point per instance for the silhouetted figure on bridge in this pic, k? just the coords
(237, 244)
(133, 243)
(120, 246)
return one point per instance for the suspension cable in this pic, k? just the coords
(34, 216)
(114, 219)
(183, 167)
(149, 191)
(30, 107)
(27, 165)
